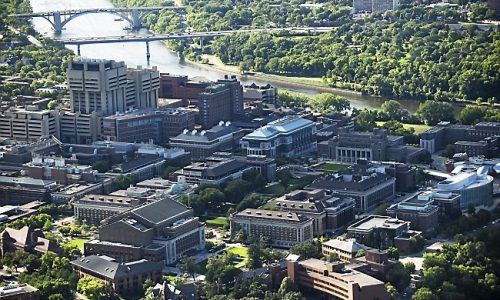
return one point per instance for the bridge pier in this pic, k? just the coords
(57, 22)
(136, 19)
(78, 52)
(148, 54)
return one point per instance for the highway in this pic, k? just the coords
(177, 36)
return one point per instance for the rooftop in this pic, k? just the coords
(284, 125)
(375, 221)
(271, 215)
(349, 245)
(110, 268)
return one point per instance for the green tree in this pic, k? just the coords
(52, 104)
(392, 291)
(424, 294)
(92, 288)
(399, 277)
(393, 253)
(307, 250)
(433, 112)
(326, 102)
(471, 114)
(286, 286)
(393, 109)
(188, 265)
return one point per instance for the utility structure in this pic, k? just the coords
(133, 15)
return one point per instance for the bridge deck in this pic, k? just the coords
(176, 36)
(92, 10)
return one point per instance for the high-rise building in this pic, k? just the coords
(214, 105)
(97, 85)
(145, 84)
(236, 90)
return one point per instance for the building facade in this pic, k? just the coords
(92, 209)
(288, 137)
(214, 105)
(378, 231)
(29, 124)
(284, 229)
(419, 211)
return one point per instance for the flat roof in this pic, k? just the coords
(375, 221)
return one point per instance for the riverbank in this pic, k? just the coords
(312, 83)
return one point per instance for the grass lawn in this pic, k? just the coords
(242, 252)
(217, 222)
(276, 190)
(419, 128)
(331, 167)
(77, 242)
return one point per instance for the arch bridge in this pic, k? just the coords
(133, 15)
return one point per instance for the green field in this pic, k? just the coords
(77, 242)
(217, 222)
(331, 167)
(242, 252)
(419, 128)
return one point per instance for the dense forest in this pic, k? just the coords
(411, 52)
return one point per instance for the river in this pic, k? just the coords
(134, 54)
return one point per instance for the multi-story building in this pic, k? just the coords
(142, 167)
(327, 212)
(121, 277)
(474, 188)
(26, 239)
(284, 229)
(368, 187)
(236, 94)
(406, 176)
(28, 124)
(204, 143)
(266, 93)
(335, 280)
(215, 170)
(436, 138)
(78, 190)
(21, 190)
(97, 86)
(377, 145)
(488, 147)
(378, 231)
(448, 203)
(214, 105)
(345, 249)
(92, 209)
(290, 136)
(62, 171)
(180, 87)
(147, 125)
(142, 87)
(266, 166)
(79, 128)
(160, 230)
(420, 211)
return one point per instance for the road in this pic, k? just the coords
(175, 36)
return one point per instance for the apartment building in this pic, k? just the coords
(28, 124)
(290, 136)
(335, 280)
(284, 229)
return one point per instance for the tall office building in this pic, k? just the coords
(97, 85)
(108, 87)
(214, 105)
(28, 124)
(236, 90)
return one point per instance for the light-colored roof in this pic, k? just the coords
(349, 245)
(274, 128)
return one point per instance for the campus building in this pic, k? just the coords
(419, 211)
(146, 125)
(378, 231)
(346, 250)
(203, 143)
(350, 146)
(327, 212)
(121, 277)
(474, 188)
(92, 209)
(436, 138)
(59, 169)
(264, 93)
(28, 124)
(367, 186)
(290, 136)
(214, 170)
(21, 190)
(26, 239)
(158, 231)
(180, 87)
(335, 280)
(284, 229)
(214, 105)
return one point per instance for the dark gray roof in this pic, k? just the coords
(136, 163)
(159, 211)
(110, 268)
